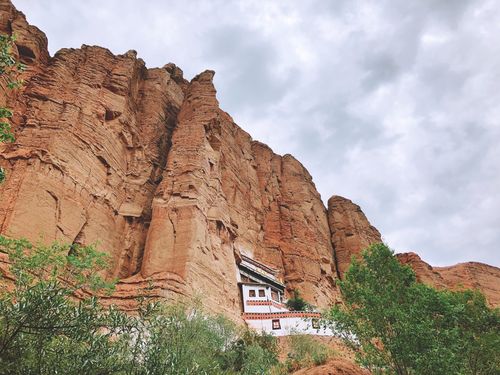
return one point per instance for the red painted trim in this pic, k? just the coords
(266, 303)
(278, 315)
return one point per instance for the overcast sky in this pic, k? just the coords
(393, 104)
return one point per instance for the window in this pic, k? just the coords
(262, 293)
(274, 295)
(276, 324)
(251, 293)
(315, 324)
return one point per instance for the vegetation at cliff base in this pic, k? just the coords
(400, 326)
(305, 351)
(50, 323)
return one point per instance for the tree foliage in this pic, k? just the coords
(252, 353)
(43, 328)
(399, 326)
(50, 323)
(10, 67)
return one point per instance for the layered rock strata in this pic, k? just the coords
(470, 275)
(351, 232)
(147, 166)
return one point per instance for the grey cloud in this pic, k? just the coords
(244, 59)
(380, 69)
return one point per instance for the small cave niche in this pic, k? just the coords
(111, 115)
(219, 225)
(26, 54)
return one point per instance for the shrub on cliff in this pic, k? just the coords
(399, 326)
(9, 69)
(304, 351)
(297, 303)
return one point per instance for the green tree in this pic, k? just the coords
(180, 341)
(43, 328)
(297, 303)
(480, 333)
(399, 326)
(9, 71)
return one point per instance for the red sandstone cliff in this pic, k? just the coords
(350, 230)
(148, 166)
(470, 275)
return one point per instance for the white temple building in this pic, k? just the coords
(264, 307)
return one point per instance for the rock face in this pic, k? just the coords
(351, 231)
(470, 275)
(148, 166)
(145, 164)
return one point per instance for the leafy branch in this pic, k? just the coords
(10, 69)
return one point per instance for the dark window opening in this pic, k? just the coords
(251, 293)
(262, 293)
(274, 295)
(315, 323)
(276, 324)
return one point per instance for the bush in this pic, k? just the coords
(45, 330)
(297, 303)
(305, 351)
(251, 352)
(179, 341)
(399, 326)
(257, 361)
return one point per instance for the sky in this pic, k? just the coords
(392, 104)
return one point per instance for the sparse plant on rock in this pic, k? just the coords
(9, 71)
(306, 351)
(297, 303)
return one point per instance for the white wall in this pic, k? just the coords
(289, 326)
(249, 308)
